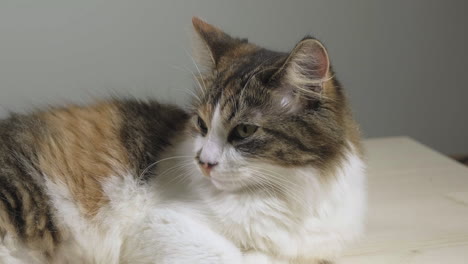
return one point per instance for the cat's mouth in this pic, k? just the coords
(226, 184)
(220, 184)
(228, 181)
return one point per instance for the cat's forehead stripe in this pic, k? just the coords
(233, 77)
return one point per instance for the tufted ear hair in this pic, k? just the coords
(307, 66)
(210, 43)
(303, 73)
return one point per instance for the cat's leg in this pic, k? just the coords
(12, 252)
(261, 258)
(325, 262)
(168, 237)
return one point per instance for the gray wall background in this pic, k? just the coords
(403, 63)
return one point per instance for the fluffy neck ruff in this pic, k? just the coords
(308, 214)
(303, 213)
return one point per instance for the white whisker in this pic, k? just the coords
(198, 69)
(161, 160)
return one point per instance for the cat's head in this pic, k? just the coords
(258, 114)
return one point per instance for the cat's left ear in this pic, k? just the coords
(307, 66)
(210, 44)
(303, 75)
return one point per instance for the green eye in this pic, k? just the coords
(243, 131)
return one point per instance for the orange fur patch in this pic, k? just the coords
(82, 148)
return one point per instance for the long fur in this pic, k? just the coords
(123, 181)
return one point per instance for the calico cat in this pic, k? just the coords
(266, 167)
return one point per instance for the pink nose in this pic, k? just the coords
(207, 167)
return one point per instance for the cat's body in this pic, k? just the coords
(117, 181)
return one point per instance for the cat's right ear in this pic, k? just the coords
(209, 44)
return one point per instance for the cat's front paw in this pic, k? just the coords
(230, 256)
(261, 258)
(255, 258)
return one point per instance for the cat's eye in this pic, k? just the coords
(243, 131)
(202, 126)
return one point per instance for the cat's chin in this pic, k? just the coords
(227, 186)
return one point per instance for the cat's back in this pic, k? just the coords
(77, 148)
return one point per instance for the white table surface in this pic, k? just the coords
(418, 206)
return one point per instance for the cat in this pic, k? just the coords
(266, 166)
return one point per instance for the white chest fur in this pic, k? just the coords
(311, 218)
